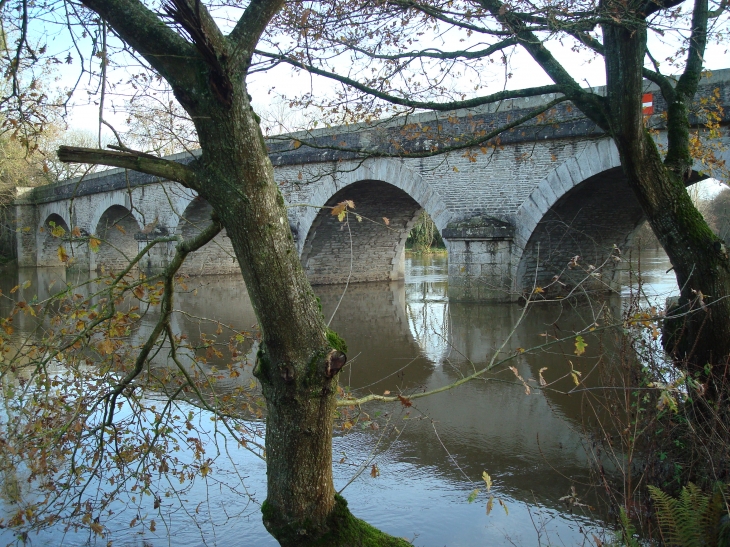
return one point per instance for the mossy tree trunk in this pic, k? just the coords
(298, 358)
(701, 336)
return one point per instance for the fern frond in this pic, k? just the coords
(693, 519)
(627, 538)
(666, 515)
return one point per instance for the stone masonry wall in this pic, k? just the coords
(376, 249)
(586, 222)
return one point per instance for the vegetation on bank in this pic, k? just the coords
(657, 438)
(424, 237)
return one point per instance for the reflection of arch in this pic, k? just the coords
(217, 257)
(369, 312)
(427, 309)
(375, 250)
(48, 242)
(116, 229)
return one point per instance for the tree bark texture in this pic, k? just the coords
(296, 356)
(297, 350)
(701, 335)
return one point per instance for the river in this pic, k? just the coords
(405, 338)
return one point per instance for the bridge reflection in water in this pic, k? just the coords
(406, 337)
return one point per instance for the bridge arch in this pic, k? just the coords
(582, 208)
(48, 242)
(379, 188)
(217, 257)
(391, 170)
(116, 229)
(103, 202)
(367, 250)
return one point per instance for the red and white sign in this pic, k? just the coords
(647, 104)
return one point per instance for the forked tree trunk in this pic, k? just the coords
(299, 357)
(702, 335)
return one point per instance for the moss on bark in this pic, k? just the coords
(335, 341)
(340, 529)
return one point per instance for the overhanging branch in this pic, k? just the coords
(434, 53)
(165, 50)
(591, 104)
(209, 41)
(402, 101)
(136, 161)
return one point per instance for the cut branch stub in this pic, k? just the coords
(335, 361)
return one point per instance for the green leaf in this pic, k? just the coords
(473, 495)
(487, 480)
(580, 346)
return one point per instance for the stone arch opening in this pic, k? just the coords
(375, 249)
(217, 257)
(116, 230)
(586, 222)
(53, 232)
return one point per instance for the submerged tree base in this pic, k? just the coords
(341, 529)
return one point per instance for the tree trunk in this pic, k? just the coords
(299, 357)
(701, 335)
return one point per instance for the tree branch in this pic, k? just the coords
(652, 6)
(438, 54)
(165, 50)
(137, 161)
(208, 40)
(664, 83)
(441, 16)
(250, 27)
(690, 78)
(587, 40)
(591, 104)
(713, 14)
(183, 249)
(402, 101)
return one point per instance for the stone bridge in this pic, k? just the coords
(512, 212)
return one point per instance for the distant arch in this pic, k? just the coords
(53, 233)
(116, 229)
(217, 257)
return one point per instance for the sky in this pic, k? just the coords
(83, 113)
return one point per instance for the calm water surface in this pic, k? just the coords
(407, 337)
